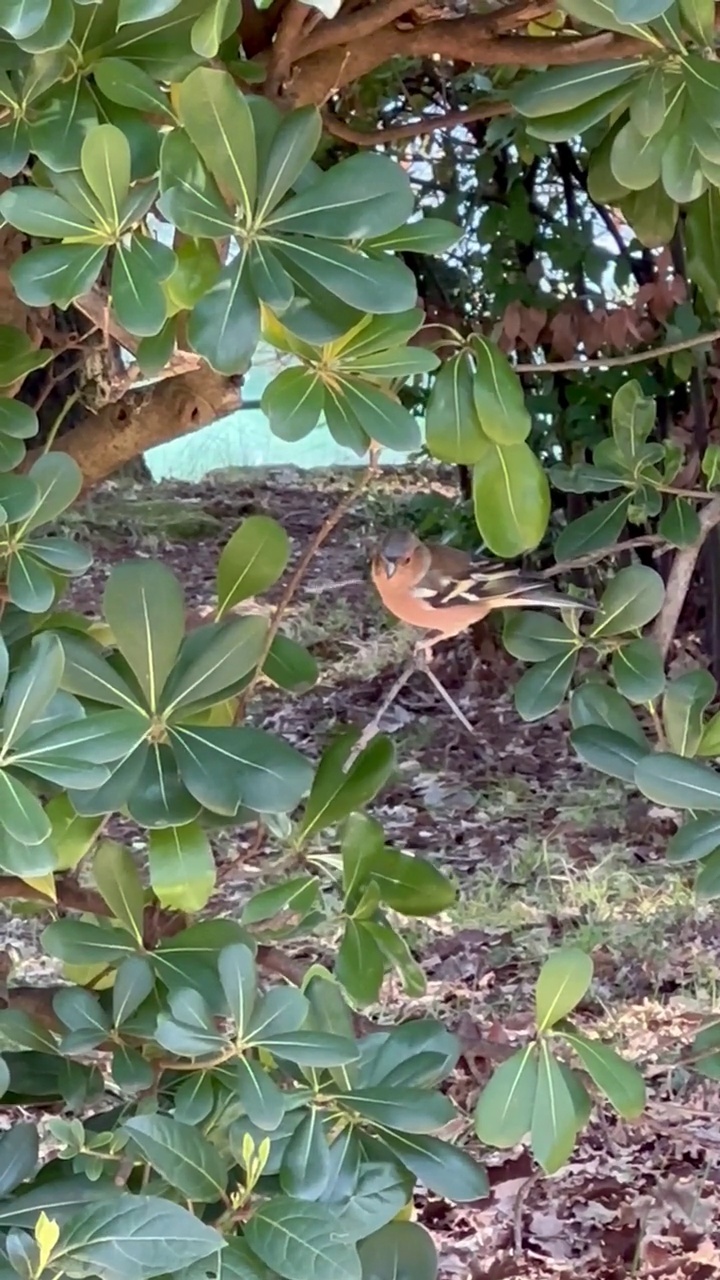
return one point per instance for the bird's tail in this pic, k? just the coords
(523, 591)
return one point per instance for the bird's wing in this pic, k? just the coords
(497, 585)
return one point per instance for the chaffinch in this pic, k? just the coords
(444, 591)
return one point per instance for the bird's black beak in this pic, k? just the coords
(389, 566)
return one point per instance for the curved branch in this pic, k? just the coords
(414, 128)
(681, 573)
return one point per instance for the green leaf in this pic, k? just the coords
(422, 235)
(638, 671)
(541, 689)
(238, 978)
(533, 637)
(680, 523)
(226, 767)
(707, 882)
(194, 1098)
(182, 867)
(105, 164)
(294, 897)
(595, 703)
(608, 751)
(19, 1033)
(600, 528)
(295, 1238)
(620, 1082)
(633, 419)
(709, 744)
(511, 498)
(554, 1125)
(290, 665)
(698, 18)
(306, 1163)
(31, 687)
(399, 1251)
(144, 607)
(678, 783)
(498, 395)
(686, 698)
(291, 150)
(293, 402)
(19, 1155)
(647, 105)
(444, 1169)
(504, 1110)
(77, 942)
(224, 326)
(384, 419)
(57, 274)
(365, 195)
(697, 838)
(564, 980)
(252, 561)
(412, 886)
(147, 1234)
(636, 160)
(338, 790)
(126, 83)
(180, 1154)
(632, 598)
(216, 117)
(360, 964)
(208, 672)
(134, 982)
(190, 958)
(381, 285)
(44, 213)
(310, 1048)
(89, 675)
(411, 1110)
(21, 814)
(397, 953)
(58, 480)
(565, 88)
(140, 265)
(452, 428)
(117, 878)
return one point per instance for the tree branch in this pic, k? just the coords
(145, 417)
(681, 573)
(414, 128)
(619, 362)
(318, 75)
(289, 32)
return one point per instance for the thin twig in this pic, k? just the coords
(681, 573)
(612, 362)
(593, 557)
(414, 128)
(62, 415)
(459, 715)
(303, 565)
(373, 727)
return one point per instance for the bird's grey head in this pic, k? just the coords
(396, 548)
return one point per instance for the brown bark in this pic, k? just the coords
(146, 417)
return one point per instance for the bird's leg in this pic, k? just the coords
(422, 655)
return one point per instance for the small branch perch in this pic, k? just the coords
(681, 574)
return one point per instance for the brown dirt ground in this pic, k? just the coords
(542, 850)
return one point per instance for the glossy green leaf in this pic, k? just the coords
(422, 235)
(596, 703)
(542, 689)
(383, 285)
(21, 813)
(399, 1251)
(143, 605)
(620, 1081)
(293, 403)
(444, 1169)
(295, 1238)
(291, 150)
(534, 637)
(224, 326)
(78, 942)
(207, 672)
(697, 838)
(411, 1110)
(43, 213)
(633, 597)
(105, 164)
(20, 1033)
(504, 1110)
(19, 1155)
(252, 561)
(224, 768)
(600, 528)
(117, 878)
(182, 867)
(385, 420)
(686, 699)
(338, 789)
(554, 1125)
(410, 885)
(58, 480)
(359, 964)
(498, 395)
(703, 245)
(638, 671)
(680, 523)
(678, 783)
(452, 427)
(511, 498)
(306, 1163)
(365, 195)
(180, 1154)
(31, 686)
(290, 665)
(608, 751)
(134, 982)
(149, 1234)
(140, 265)
(564, 979)
(698, 18)
(216, 116)
(129, 85)
(565, 88)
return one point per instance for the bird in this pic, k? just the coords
(444, 591)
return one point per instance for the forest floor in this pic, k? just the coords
(543, 851)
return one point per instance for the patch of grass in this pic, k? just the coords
(125, 518)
